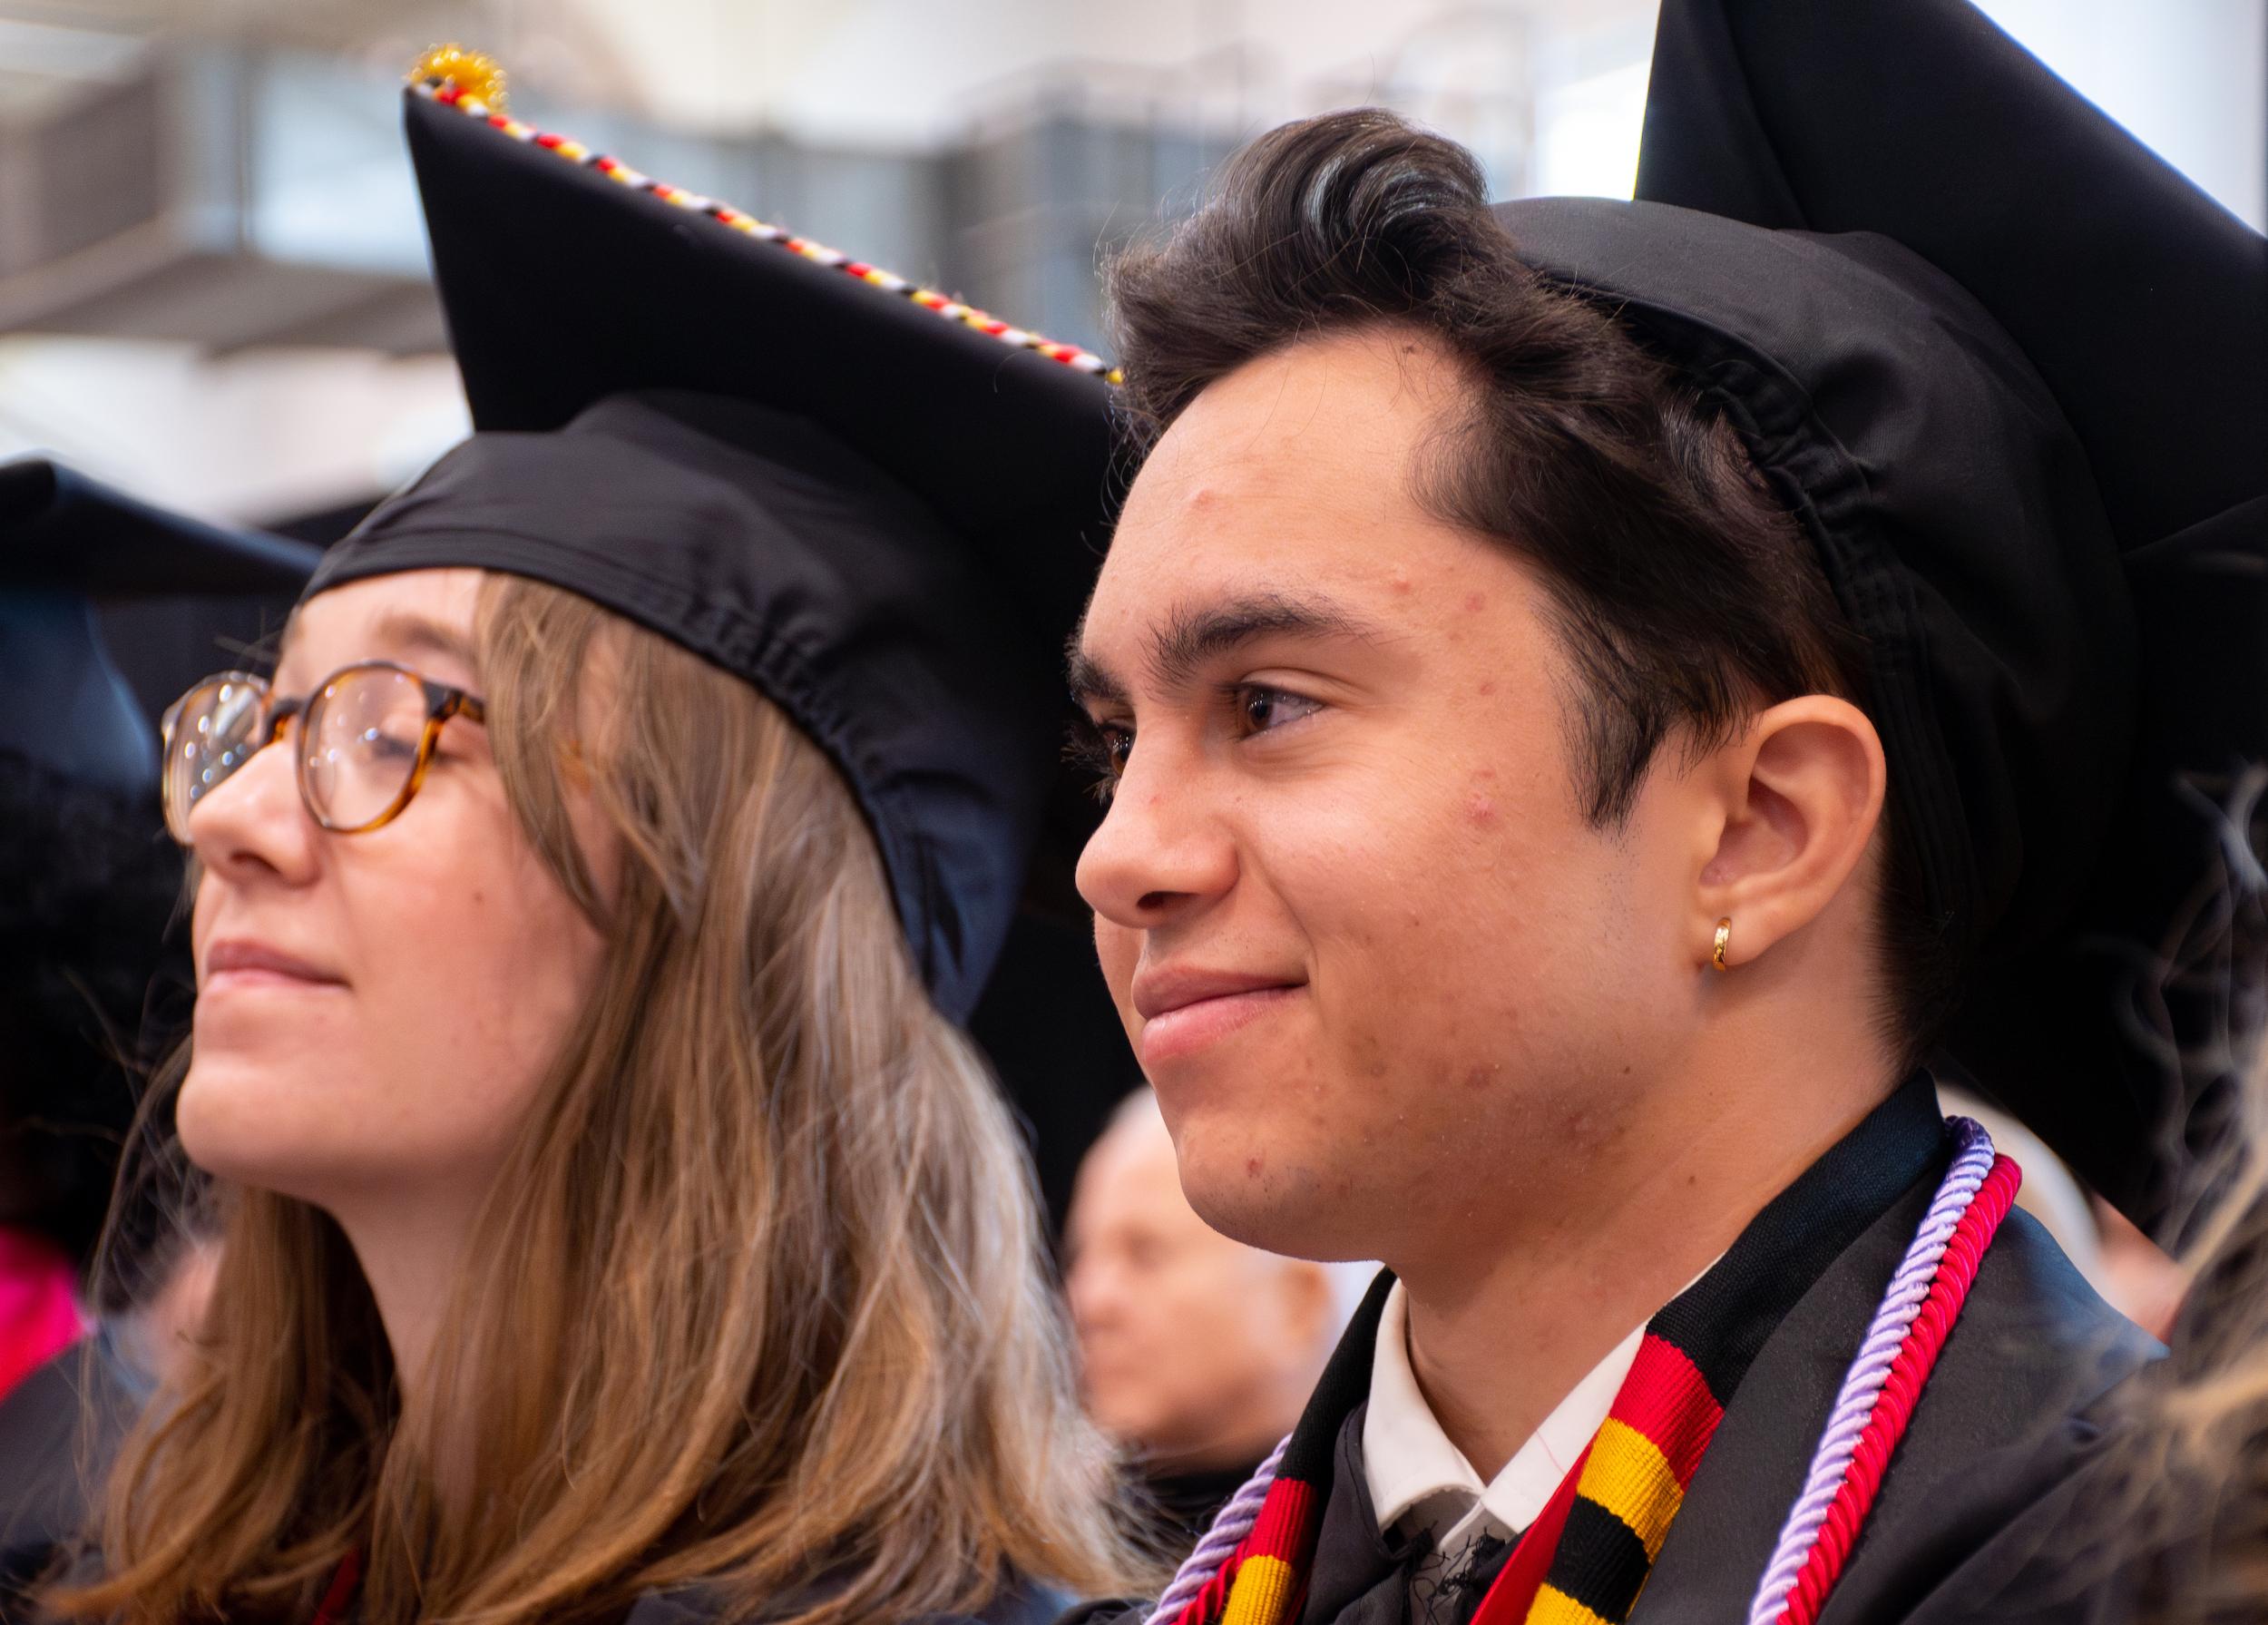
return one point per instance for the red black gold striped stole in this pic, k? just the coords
(1263, 1579)
(1628, 1488)
(1587, 1557)
(1609, 1519)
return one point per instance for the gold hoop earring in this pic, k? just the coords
(1724, 940)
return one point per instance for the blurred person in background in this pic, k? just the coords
(2140, 1278)
(1196, 1352)
(616, 1223)
(1593, 697)
(2132, 1272)
(84, 900)
(94, 978)
(2180, 1535)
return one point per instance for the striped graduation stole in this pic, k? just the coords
(1256, 1574)
(1616, 1505)
(1628, 1489)
(1589, 1555)
(1633, 1479)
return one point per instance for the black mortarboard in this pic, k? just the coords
(2010, 371)
(67, 544)
(87, 877)
(880, 507)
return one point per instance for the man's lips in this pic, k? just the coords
(239, 962)
(1183, 1011)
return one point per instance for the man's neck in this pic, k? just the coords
(1502, 1326)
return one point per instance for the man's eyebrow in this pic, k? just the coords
(1191, 638)
(1088, 682)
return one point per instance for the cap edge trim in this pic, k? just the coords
(448, 92)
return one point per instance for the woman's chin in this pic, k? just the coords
(245, 1123)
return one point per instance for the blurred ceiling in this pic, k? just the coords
(211, 280)
(887, 71)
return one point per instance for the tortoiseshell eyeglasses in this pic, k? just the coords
(366, 736)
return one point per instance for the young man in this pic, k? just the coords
(1589, 696)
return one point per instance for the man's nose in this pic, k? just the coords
(1159, 850)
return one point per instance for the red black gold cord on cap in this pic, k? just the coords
(473, 85)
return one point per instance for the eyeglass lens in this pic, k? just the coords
(216, 728)
(358, 750)
(364, 729)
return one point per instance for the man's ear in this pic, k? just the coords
(1800, 793)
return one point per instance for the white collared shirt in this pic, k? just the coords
(1423, 1483)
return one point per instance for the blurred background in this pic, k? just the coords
(212, 276)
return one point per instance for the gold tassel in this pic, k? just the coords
(474, 74)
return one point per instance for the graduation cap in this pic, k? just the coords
(2011, 372)
(880, 506)
(87, 879)
(69, 544)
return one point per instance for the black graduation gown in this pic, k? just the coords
(2013, 1421)
(1021, 1604)
(2016, 1417)
(51, 1444)
(1176, 1508)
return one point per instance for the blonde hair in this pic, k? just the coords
(2179, 1527)
(759, 1299)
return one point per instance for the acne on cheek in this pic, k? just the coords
(1480, 799)
(1370, 1052)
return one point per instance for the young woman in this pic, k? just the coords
(616, 1224)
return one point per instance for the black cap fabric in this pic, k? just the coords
(67, 543)
(2141, 302)
(881, 508)
(2011, 374)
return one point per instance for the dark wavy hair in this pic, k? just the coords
(1684, 591)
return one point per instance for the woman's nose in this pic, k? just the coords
(254, 823)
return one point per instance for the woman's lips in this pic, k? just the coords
(221, 982)
(242, 965)
(1187, 1028)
